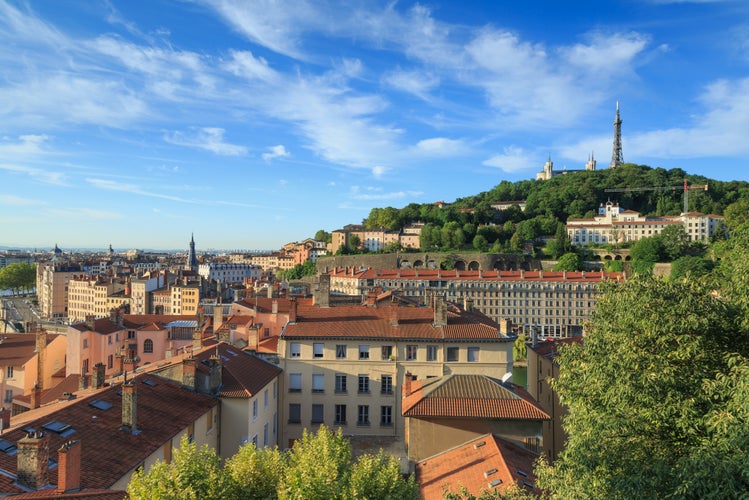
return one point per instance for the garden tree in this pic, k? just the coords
(299, 271)
(645, 253)
(560, 244)
(19, 276)
(652, 395)
(510, 493)
(674, 241)
(691, 266)
(529, 230)
(193, 474)
(480, 243)
(519, 348)
(569, 262)
(430, 237)
(322, 235)
(354, 242)
(613, 266)
(388, 218)
(516, 242)
(255, 473)
(737, 213)
(392, 247)
(379, 477)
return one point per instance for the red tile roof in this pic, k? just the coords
(471, 396)
(107, 453)
(485, 463)
(379, 322)
(68, 385)
(244, 374)
(17, 348)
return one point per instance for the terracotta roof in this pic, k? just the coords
(550, 349)
(97, 494)
(67, 385)
(244, 374)
(485, 463)
(471, 396)
(17, 348)
(379, 322)
(101, 325)
(268, 345)
(107, 453)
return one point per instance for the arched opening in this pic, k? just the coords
(418, 264)
(618, 257)
(473, 266)
(405, 264)
(607, 257)
(459, 265)
(431, 264)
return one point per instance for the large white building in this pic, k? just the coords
(229, 273)
(616, 225)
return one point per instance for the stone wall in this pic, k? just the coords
(462, 261)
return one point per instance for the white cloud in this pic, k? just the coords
(397, 195)
(441, 146)
(243, 63)
(135, 189)
(19, 201)
(414, 82)
(512, 159)
(29, 144)
(378, 171)
(276, 152)
(41, 175)
(206, 138)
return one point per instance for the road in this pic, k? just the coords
(20, 310)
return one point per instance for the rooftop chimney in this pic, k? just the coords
(36, 396)
(440, 311)
(129, 407)
(41, 348)
(468, 304)
(197, 340)
(407, 384)
(91, 322)
(274, 307)
(83, 381)
(292, 310)
(218, 316)
(98, 374)
(69, 467)
(4, 419)
(189, 367)
(33, 459)
(322, 292)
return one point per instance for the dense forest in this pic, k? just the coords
(471, 223)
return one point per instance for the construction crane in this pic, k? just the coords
(685, 187)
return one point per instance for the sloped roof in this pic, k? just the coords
(550, 349)
(17, 348)
(471, 396)
(485, 463)
(244, 374)
(107, 453)
(364, 322)
(69, 385)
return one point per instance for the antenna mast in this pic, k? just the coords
(617, 157)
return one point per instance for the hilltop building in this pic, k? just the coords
(375, 239)
(616, 225)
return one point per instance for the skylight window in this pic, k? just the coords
(60, 428)
(101, 405)
(490, 472)
(150, 382)
(479, 445)
(7, 447)
(495, 483)
(522, 473)
(231, 352)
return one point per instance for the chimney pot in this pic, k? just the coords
(69, 467)
(129, 407)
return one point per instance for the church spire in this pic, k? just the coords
(617, 158)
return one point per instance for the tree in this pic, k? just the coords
(480, 243)
(322, 235)
(354, 242)
(255, 473)
(645, 253)
(193, 474)
(690, 266)
(674, 241)
(569, 262)
(519, 348)
(640, 419)
(18, 276)
(379, 477)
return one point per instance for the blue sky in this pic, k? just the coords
(255, 123)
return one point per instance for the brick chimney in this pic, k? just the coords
(69, 467)
(218, 316)
(321, 296)
(4, 419)
(274, 307)
(292, 310)
(91, 322)
(393, 315)
(440, 311)
(83, 382)
(129, 407)
(189, 368)
(36, 396)
(197, 340)
(98, 375)
(468, 304)
(41, 349)
(33, 459)
(407, 384)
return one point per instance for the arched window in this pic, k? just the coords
(148, 346)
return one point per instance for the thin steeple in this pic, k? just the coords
(617, 158)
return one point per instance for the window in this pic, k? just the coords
(317, 413)
(148, 346)
(8, 395)
(265, 434)
(275, 389)
(387, 384)
(386, 416)
(340, 414)
(317, 350)
(387, 352)
(9, 372)
(318, 382)
(84, 367)
(295, 382)
(432, 353)
(265, 399)
(340, 351)
(266, 332)
(85, 343)
(363, 352)
(275, 417)
(254, 410)
(473, 354)
(411, 351)
(109, 339)
(110, 361)
(340, 383)
(452, 354)
(295, 413)
(295, 350)
(364, 384)
(363, 418)
(130, 334)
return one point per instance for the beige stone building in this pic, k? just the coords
(89, 295)
(52, 287)
(343, 366)
(616, 225)
(375, 239)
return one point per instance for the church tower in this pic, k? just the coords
(617, 158)
(192, 258)
(591, 165)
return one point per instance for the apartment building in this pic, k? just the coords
(52, 280)
(375, 239)
(557, 302)
(88, 295)
(343, 366)
(175, 299)
(229, 273)
(613, 224)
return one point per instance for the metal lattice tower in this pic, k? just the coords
(617, 158)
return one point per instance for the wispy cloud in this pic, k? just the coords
(512, 159)
(276, 152)
(19, 201)
(111, 185)
(206, 138)
(38, 174)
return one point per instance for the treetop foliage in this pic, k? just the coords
(18, 276)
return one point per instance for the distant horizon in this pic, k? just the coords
(259, 123)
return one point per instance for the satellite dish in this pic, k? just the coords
(507, 376)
